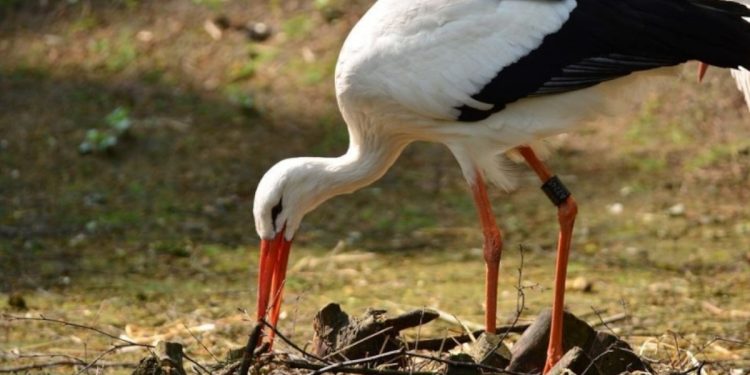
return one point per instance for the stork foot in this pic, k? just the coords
(552, 359)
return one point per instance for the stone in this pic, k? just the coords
(530, 352)
(489, 351)
(343, 337)
(166, 361)
(574, 361)
(614, 356)
(455, 369)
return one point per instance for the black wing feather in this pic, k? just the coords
(608, 39)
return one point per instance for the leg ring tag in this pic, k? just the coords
(556, 190)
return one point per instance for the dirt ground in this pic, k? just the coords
(152, 237)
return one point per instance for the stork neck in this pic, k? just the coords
(362, 165)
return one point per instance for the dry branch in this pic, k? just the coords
(42, 318)
(72, 361)
(292, 344)
(252, 342)
(336, 367)
(450, 342)
(604, 321)
(64, 363)
(352, 370)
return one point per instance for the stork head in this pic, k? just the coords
(289, 190)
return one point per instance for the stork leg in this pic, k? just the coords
(566, 213)
(493, 248)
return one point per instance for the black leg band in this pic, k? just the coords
(556, 191)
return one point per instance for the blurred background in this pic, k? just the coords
(133, 133)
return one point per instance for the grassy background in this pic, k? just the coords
(155, 234)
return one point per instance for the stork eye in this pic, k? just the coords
(275, 211)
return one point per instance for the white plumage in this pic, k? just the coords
(742, 77)
(454, 38)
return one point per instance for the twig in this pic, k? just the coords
(63, 363)
(336, 367)
(252, 343)
(452, 319)
(76, 361)
(232, 369)
(378, 333)
(200, 342)
(466, 328)
(610, 349)
(102, 355)
(416, 343)
(292, 344)
(42, 318)
(6, 356)
(352, 370)
(419, 331)
(677, 351)
(718, 339)
(593, 361)
(697, 370)
(205, 370)
(451, 342)
(609, 320)
(605, 323)
(463, 364)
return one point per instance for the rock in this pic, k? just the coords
(328, 324)
(166, 361)
(213, 30)
(676, 210)
(575, 361)
(454, 369)
(17, 302)
(580, 284)
(618, 360)
(258, 31)
(615, 208)
(530, 352)
(222, 22)
(335, 331)
(612, 356)
(605, 341)
(481, 351)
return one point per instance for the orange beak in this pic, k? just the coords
(274, 256)
(702, 68)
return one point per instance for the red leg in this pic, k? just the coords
(493, 248)
(566, 214)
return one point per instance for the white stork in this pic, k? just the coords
(485, 77)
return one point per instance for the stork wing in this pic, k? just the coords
(431, 56)
(467, 59)
(607, 39)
